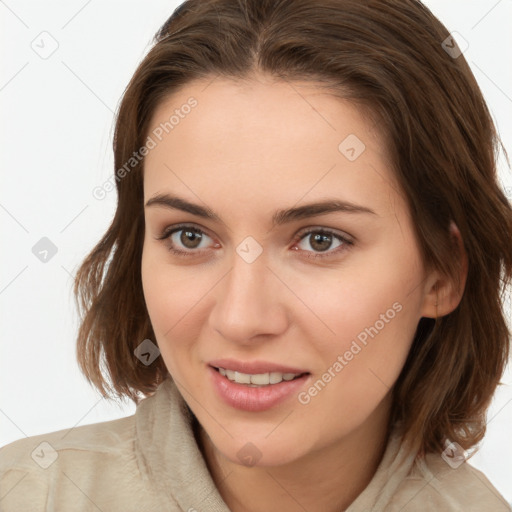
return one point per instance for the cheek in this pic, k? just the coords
(372, 313)
(370, 343)
(167, 293)
(361, 304)
(362, 362)
(176, 299)
(168, 303)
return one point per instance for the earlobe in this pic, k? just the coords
(442, 295)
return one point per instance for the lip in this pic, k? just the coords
(254, 367)
(255, 399)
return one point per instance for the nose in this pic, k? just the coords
(249, 302)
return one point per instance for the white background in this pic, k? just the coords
(57, 118)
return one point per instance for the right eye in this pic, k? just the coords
(186, 239)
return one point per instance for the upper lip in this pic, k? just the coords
(254, 367)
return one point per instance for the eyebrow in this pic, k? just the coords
(280, 216)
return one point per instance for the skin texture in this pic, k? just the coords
(246, 150)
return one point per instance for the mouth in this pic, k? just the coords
(255, 386)
(258, 379)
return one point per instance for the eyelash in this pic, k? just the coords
(346, 243)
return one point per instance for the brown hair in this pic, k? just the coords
(383, 54)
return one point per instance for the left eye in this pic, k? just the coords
(323, 241)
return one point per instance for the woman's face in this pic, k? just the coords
(296, 255)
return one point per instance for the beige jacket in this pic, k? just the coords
(150, 462)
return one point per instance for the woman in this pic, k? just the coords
(301, 288)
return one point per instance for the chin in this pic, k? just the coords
(259, 450)
(251, 455)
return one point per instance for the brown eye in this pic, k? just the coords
(320, 241)
(317, 241)
(190, 238)
(185, 240)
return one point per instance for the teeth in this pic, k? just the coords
(243, 378)
(259, 379)
(275, 377)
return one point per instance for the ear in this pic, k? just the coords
(441, 295)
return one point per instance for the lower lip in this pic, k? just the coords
(254, 399)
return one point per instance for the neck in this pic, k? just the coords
(329, 479)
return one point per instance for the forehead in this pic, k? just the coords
(266, 140)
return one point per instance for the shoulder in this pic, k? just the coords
(45, 449)
(33, 468)
(437, 486)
